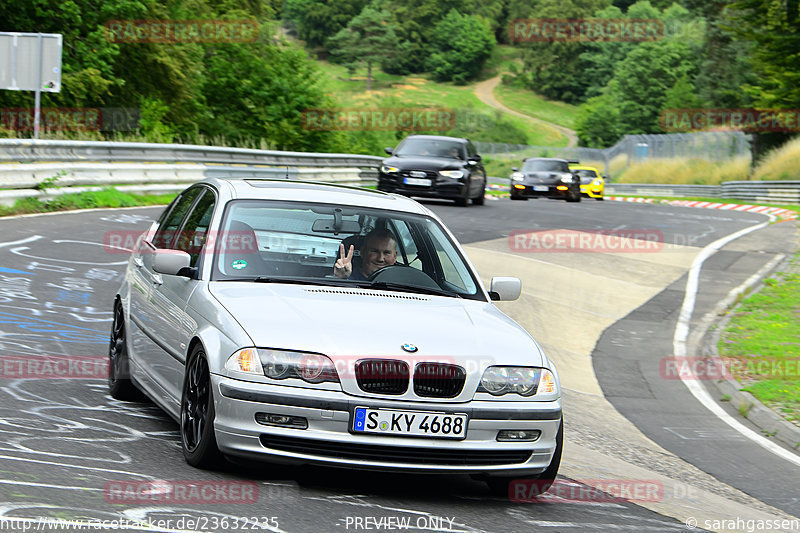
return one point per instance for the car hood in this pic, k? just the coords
(424, 163)
(344, 322)
(544, 176)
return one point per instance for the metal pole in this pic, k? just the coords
(38, 102)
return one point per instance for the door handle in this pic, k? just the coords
(158, 280)
(138, 262)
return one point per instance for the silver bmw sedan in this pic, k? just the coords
(300, 322)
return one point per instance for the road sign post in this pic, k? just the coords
(31, 62)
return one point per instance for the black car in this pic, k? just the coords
(433, 166)
(547, 177)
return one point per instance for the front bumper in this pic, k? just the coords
(439, 188)
(592, 191)
(327, 440)
(521, 190)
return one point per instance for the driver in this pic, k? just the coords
(378, 250)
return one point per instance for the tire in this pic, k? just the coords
(198, 440)
(120, 385)
(599, 198)
(539, 484)
(480, 199)
(574, 197)
(518, 197)
(462, 202)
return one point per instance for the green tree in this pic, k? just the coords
(773, 28)
(368, 39)
(462, 45)
(318, 20)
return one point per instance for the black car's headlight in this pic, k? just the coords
(517, 176)
(567, 178)
(386, 169)
(279, 364)
(455, 174)
(522, 380)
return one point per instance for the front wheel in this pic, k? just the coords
(574, 196)
(481, 198)
(533, 486)
(197, 414)
(120, 385)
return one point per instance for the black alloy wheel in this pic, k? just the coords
(197, 414)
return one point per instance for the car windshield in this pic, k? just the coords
(537, 165)
(269, 241)
(430, 147)
(585, 173)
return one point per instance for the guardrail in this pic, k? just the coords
(76, 166)
(766, 192)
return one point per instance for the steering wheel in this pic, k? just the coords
(403, 275)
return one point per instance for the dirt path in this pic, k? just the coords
(485, 92)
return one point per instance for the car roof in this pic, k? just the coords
(314, 192)
(438, 138)
(583, 167)
(545, 159)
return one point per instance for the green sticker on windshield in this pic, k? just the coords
(239, 264)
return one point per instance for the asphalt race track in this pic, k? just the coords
(605, 318)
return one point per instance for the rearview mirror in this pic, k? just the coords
(505, 289)
(388, 150)
(326, 225)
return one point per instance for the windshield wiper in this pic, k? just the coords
(399, 287)
(294, 281)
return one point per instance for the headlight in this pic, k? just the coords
(455, 174)
(597, 182)
(566, 178)
(517, 176)
(386, 169)
(277, 364)
(522, 380)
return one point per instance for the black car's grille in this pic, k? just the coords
(418, 174)
(438, 380)
(395, 454)
(382, 376)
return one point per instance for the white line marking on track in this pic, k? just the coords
(682, 334)
(21, 241)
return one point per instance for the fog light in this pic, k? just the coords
(284, 421)
(562, 188)
(519, 435)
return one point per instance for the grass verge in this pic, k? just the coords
(109, 197)
(762, 343)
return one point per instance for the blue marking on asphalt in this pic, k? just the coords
(14, 271)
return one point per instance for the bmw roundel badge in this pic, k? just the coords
(410, 348)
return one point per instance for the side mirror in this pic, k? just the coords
(388, 150)
(515, 169)
(505, 289)
(477, 158)
(170, 262)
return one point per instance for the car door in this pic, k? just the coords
(477, 172)
(158, 307)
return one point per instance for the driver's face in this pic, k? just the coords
(377, 253)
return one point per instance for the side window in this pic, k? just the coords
(407, 244)
(194, 232)
(166, 231)
(471, 151)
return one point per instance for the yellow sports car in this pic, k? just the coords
(592, 183)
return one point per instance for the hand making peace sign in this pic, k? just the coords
(344, 265)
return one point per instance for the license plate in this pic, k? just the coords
(410, 423)
(417, 181)
(541, 188)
